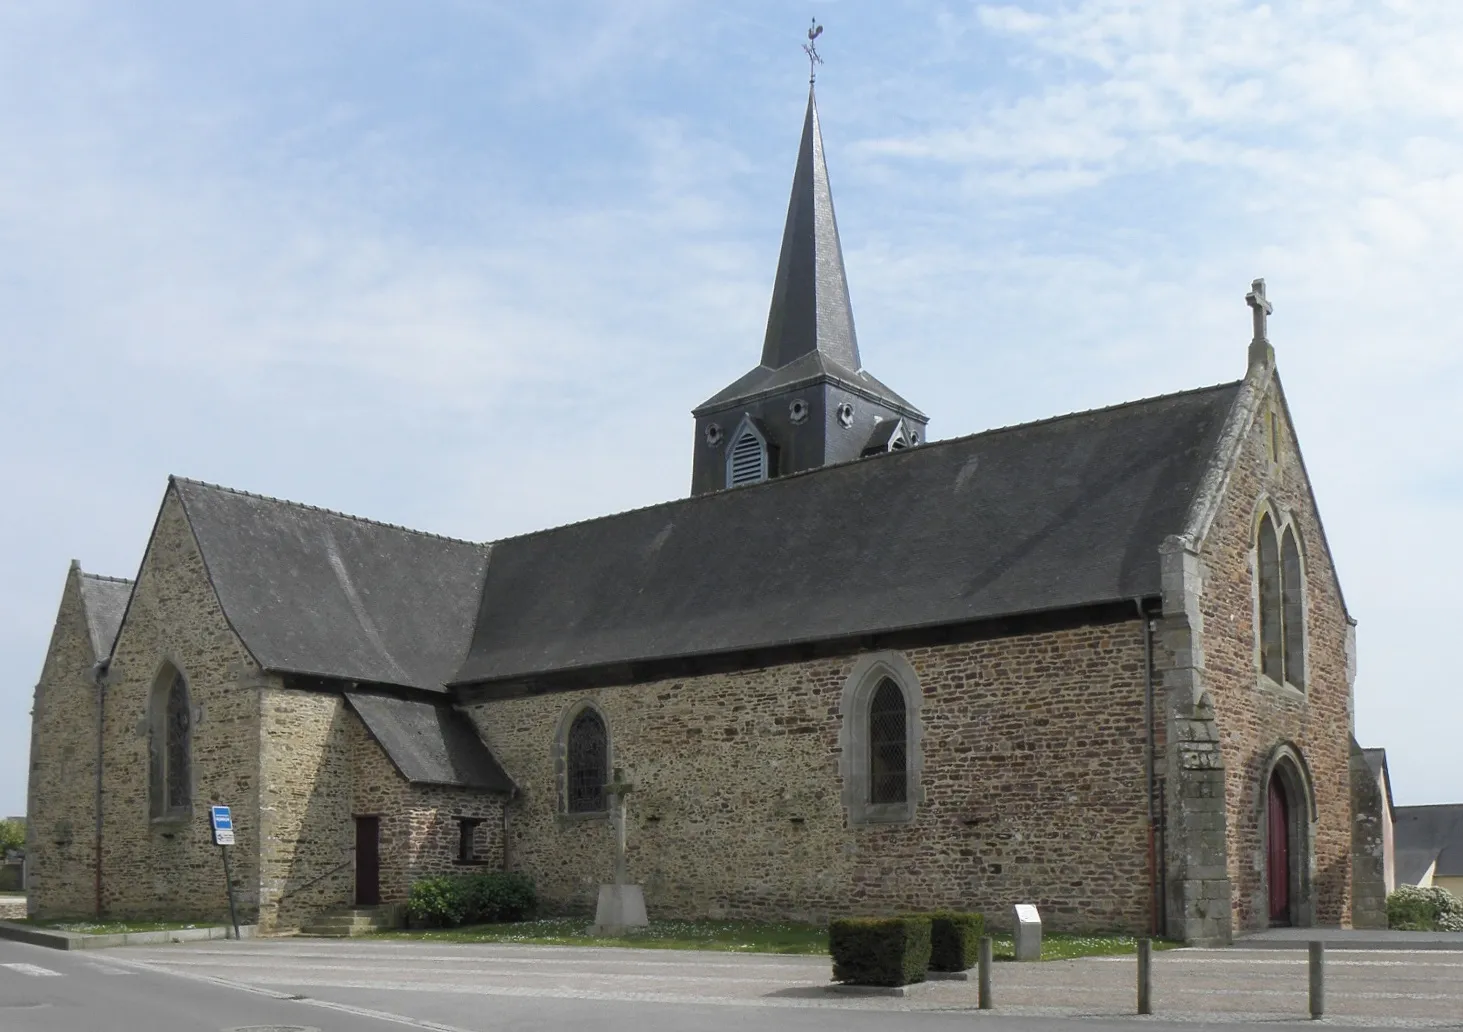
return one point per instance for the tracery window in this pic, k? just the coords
(1282, 605)
(587, 763)
(171, 746)
(880, 759)
(888, 745)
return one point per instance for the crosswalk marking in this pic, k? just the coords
(31, 969)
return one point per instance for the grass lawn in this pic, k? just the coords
(111, 927)
(736, 937)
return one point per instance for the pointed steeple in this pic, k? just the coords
(810, 311)
(809, 402)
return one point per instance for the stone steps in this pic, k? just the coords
(341, 924)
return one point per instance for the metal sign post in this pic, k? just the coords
(223, 837)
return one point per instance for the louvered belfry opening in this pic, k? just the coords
(748, 462)
(888, 778)
(588, 756)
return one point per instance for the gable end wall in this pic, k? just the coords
(171, 869)
(61, 795)
(1255, 716)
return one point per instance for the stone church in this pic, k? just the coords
(1100, 663)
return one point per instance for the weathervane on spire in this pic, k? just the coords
(811, 49)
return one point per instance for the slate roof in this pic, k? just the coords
(1422, 834)
(810, 332)
(430, 742)
(103, 600)
(311, 591)
(1051, 515)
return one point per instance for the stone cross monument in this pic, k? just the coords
(621, 905)
(1261, 353)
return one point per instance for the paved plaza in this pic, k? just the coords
(474, 988)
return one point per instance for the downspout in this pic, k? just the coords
(1149, 765)
(99, 675)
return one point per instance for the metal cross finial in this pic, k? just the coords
(811, 49)
(1263, 308)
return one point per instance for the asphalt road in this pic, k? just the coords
(375, 986)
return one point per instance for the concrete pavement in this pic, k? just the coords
(369, 985)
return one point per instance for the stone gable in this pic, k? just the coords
(1256, 716)
(61, 803)
(157, 867)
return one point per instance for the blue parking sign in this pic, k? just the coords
(223, 826)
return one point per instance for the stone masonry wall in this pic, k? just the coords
(306, 863)
(1033, 789)
(1255, 715)
(61, 801)
(154, 868)
(419, 822)
(322, 769)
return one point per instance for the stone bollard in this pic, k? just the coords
(1027, 932)
(1145, 976)
(983, 974)
(1318, 984)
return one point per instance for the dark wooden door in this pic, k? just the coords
(368, 861)
(1277, 854)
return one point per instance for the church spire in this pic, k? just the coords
(809, 402)
(810, 310)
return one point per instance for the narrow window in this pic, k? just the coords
(588, 762)
(467, 828)
(1274, 436)
(888, 775)
(1293, 611)
(1272, 660)
(747, 463)
(176, 776)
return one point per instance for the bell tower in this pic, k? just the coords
(809, 402)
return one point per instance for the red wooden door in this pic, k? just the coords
(1277, 856)
(368, 861)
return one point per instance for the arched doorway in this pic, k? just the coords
(1278, 852)
(1285, 816)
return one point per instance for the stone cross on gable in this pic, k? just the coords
(1263, 308)
(617, 789)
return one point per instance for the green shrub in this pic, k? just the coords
(880, 950)
(438, 902)
(500, 896)
(1414, 909)
(488, 897)
(954, 940)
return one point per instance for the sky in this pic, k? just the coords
(467, 266)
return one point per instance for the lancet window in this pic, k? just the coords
(1282, 604)
(587, 763)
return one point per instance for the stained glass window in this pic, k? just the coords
(177, 773)
(588, 756)
(888, 745)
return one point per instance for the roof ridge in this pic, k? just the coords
(906, 453)
(329, 512)
(104, 577)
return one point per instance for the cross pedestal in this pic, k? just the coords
(621, 905)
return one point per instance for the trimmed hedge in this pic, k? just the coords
(449, 900)
(880, 950)
(955, 940)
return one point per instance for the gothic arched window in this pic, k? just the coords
(880, 760)
(171, 746)
(1293, 611)
(1272, 658)
(587, 763)
(1282, 605)
(888, 745)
